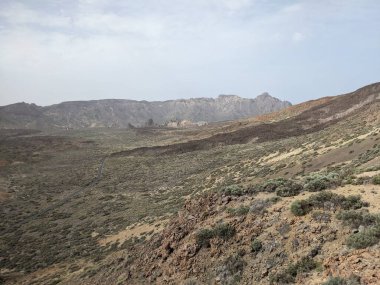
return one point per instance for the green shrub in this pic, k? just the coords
(318, 200)
(353, 202)
(240, 211)
(365, 238)
(318, 182)
(203, 237)
(306, 264)
(283, 187)
(256, 246)
(354, 219)
(361, 180)
(300, 207)
(289, 189)
(271, 185)
(376, 180)
(224, 231)
(326, 200)
(233, 190)
(231, 269)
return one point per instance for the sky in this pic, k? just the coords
(64, 50)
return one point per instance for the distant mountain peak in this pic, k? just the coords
(228, 96)
(265, 95)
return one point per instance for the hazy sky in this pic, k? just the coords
(61, 50)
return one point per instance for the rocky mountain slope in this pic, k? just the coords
(292, 197)
(121, 113)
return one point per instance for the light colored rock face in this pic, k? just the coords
(120, 113)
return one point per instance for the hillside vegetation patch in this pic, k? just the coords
(283, 187)
(233, 190)
(328, 201)
(288, 276)
(321, 181)
(376, 180)
(223, 231)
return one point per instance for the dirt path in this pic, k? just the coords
(99, 174)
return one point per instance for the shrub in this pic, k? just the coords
(203, 237)
(361, 180)
(231, 270)
(365, 238)
(256, 246)
(283, 187)
(354, 219)
(376, 180)
(353, 202)
(240, 211)
(233, 190)
(271, 185)
(289, 189)
(319, 200)
(306, 264)
(319, 182)
(224, 231)
(300, 207)
(326, 200)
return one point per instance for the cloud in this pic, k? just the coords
(19, 14)
(235, 5)
(297, 37)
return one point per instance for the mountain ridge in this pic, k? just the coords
(119, 113)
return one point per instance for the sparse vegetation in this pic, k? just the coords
(214, 183)
(289, 275)
(239, 211)
(231, 270)
(259, 206)
(328, 201)
(354, 280)
(203, 237)
(222, 230)
(321, 216)
(283, 187)
(354, 219)
(300, 207)
(256, 246)
(233, 190)
(376, 180)
(366, 238)
(321, 181)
